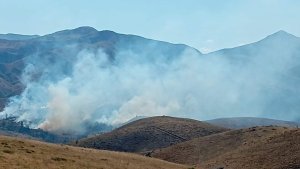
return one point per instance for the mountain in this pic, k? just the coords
(247, 122)
(147, 134)
(275, 44)
(256, 147)
(22, 153)
(59, 49)
(260, 79)
(11, 36)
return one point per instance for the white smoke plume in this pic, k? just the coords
(192, 85)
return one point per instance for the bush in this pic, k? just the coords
(58, 159)
(8, 151)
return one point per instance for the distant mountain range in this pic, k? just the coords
(265, 74)
(259, 79)
(14, 49)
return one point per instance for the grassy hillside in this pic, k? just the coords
(150, 133)
(257, 147)
(21, 153)
(247, 122)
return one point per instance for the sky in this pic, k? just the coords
(207, 25)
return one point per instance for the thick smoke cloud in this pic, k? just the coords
(96, 89)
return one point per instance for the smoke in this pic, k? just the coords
(91, 87)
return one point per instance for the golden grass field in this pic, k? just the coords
(253, 148)
(16, 153)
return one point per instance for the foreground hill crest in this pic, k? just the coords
(147, 134)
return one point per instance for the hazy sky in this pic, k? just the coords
(204, 24)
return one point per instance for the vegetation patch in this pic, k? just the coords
(58, 159)
(8, 151)
(29, 151)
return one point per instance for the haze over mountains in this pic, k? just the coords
(106, 77)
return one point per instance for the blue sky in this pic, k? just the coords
(207, 25)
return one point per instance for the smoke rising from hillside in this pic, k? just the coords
(96, 89)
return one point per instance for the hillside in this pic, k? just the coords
(264, 77)
(258, 147)
(20, 153)
(247, 122)
(150, 133)
(60, 49)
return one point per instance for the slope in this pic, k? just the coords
(263, 77)
(21, 153)
(150, 133)
(258, 147)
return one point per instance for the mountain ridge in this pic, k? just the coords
(64, 44)
(279, 34)
(17, 37)
(60, 49)
(247, 122)
(90, 30)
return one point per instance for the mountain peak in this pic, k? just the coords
(85, 29)
(80, 31)
(281, 34)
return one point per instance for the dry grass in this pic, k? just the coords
(18, 153)
(247, 122)
(257, 147)
(151, 133)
